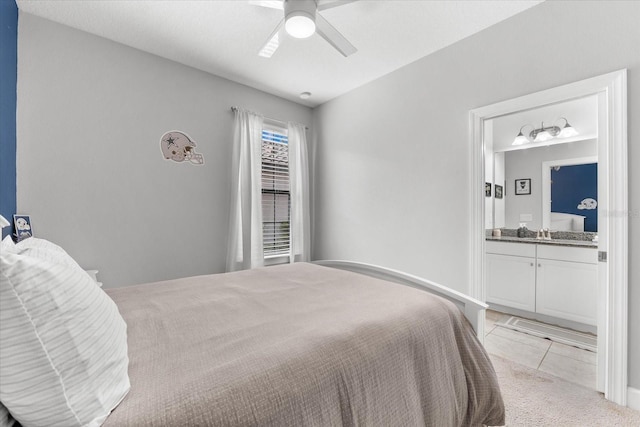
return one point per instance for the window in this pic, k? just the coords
(276, 199)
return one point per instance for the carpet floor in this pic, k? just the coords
(535, 398)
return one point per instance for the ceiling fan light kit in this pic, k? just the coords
(300, 18)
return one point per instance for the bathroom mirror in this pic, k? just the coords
(521, 178)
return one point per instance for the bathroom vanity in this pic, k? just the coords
(557, 278)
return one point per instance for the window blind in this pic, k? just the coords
(276, 199)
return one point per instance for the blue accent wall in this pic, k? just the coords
(570, 185)
(8, 71)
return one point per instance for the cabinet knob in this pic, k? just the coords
(539, 265)
(531, 264)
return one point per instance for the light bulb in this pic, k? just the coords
(543, 136)
(300, 26)
(568, 131)
(520, 139)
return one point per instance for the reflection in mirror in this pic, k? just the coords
(506, 164)
(570, 194)
(574, 197)
(534, 207)
(529, 207)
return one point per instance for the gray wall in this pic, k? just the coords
(90, 173)
(392, 156)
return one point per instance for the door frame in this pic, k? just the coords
(611, 90)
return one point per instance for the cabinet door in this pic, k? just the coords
(567, 290)
(511, 281)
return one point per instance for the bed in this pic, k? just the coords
(296, 345)
(299, 345)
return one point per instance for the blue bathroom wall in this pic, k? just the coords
(8, 71)
(570, 185)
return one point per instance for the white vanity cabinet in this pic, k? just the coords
(567, 283)
(553, 280)
(511, 275)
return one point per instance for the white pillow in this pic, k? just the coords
(7, 245)
(63, 358)
(36, 242)
(46, 250)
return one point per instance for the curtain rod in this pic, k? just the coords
(280, 122)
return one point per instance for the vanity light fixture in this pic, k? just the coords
(543, 133)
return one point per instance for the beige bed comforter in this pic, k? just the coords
(300, 345)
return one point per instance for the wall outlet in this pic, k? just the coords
(526, 217)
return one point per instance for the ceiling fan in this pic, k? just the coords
(301, 20)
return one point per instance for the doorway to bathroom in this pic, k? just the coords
(612, 268)
(541, 284)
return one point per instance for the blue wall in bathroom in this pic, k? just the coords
(8, 71)
(572, 184)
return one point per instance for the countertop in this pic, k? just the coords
(558, 242)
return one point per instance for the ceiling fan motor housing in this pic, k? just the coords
(296, 9)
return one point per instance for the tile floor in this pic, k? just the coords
(569, 363)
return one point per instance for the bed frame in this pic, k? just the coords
(473, 309)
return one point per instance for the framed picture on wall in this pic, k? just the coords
(498, 191)
(487, 189)
(523, 186)
(22, 224)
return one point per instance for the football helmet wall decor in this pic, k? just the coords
(179, 147)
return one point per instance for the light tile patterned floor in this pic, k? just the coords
(569, 363)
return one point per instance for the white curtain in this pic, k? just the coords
(244, 244)
(299, 188)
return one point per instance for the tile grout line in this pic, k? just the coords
(545, 355)
(575, 359)
(492, 329)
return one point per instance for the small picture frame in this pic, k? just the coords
(498, 191)
(487, 189)
(523, 186)
(22, 225)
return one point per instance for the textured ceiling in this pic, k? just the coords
(224, 37)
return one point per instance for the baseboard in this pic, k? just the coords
(633, 398)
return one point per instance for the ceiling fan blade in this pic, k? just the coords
(333, 36)
(273, 4)
(273, 42)
(328, 4)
